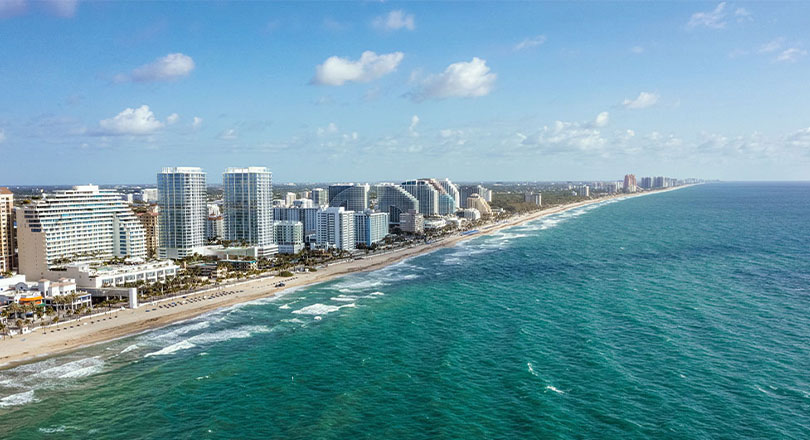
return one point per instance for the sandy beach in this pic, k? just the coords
(49, 341)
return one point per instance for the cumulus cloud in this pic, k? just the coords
(131, 121)
(228, 134)
(2, 135)
(644, 100)
(562, 137)
(742, 15)
(462, 79)
(791, 55)
(171, 67)
(331, 128)
(771, 46)
(602, 119)
(196, 123)
(336, 71)
(59, 8)
(530, 42)
(412, 127)
(172, 119)
(714, 19)
(395, 20)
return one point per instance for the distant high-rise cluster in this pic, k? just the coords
(7, 245)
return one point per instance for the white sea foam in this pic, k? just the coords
(321, 309)
(78, 368)
(531, 369)
(182, 345)
(228, 334)
(551, 388)
(344, 298)
(17, 399)
(284, 306)
(130, 348)
(374, 294)
(53, 429)
(316, 309)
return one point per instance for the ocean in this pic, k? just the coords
(683, 315)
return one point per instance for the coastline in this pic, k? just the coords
(102, 328)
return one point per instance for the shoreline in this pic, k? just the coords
(105, 327)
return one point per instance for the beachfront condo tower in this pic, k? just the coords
(78, 225)
(350, 196)
(394, 200)
(335, 229)
(454, 192)
(370, 227)
(183, 211)
(426, 193)
(248, 206)
(7, 254)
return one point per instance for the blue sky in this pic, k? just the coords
(109, 92)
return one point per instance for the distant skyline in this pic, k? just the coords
(111, 92)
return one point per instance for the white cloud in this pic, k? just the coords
(791, 55)
(62, 8)
(172, 66)
(412, 127)
(637, 49)
(462, 79)
(229, 134)
(196, 123)
(332, 128)
(172, 119)
(530, 42)
(602, 119)
(131, 121)
(336, 71)
(395, 20)
(714, 19)
(2, 135)
(771, 46)
(743, 15)
(564, 137)
(644, 100)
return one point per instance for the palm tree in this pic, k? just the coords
(3, 328)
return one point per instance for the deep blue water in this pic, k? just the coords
(676, 315)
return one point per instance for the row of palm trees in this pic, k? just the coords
(18, 314)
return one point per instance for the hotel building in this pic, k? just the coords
(394, 200)
(349, 196)
(289, 236)
(426, 193)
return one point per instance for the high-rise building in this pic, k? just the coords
(370, 227)
(147, 195)
(646, 182)
(533, 198)
(350, 196)
(8, 260)
(468, 190)
(394, 200)
(335, 229)
(248, 206)
(303, 203)
(307, 216)
(149, 219)
(289, 236)
(454, 192)
(183, 211)
(630, 183)
(320, 197)
(412, 222)
(289, 198)
(426, 193)
(215, 224)
(79, 225)
(584, 191)
(476, 201)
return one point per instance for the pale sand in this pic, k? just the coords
(37, 344)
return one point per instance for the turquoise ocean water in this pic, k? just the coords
(676, 315)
